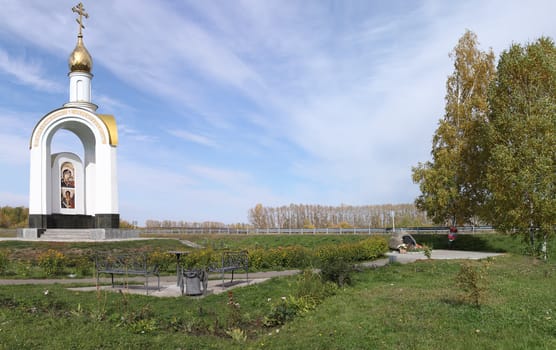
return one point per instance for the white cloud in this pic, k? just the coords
(317, 101)
(110, 104)
(140, 177)
(125, 131)
(27, 72)
(195, 138)
(230, 178)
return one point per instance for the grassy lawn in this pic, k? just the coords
(265, 241)
(418, 306)
(415, 306)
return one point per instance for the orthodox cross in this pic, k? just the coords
(81, 12)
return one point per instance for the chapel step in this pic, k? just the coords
(66, 234)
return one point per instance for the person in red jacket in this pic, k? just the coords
(452, 235)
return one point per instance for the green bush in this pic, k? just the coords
(373, 247)
(52, 262)
(4, 262)
(280, 312)
(201, 258)
(165, 261)
(471, 279)
(281, 257)
(337, 269)
(81, 265)
(310, 285)
(367, 249)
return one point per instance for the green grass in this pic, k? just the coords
(482, 242)
(18, 259)
(267, 241)
(414, 306)
(417, 306)
(22, 256)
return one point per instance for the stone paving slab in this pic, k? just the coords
(436, 254)
(171, 289)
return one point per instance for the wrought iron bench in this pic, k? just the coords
(126, 265)
(230, 262)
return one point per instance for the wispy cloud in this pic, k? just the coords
(321, 102)
(230, 178)
(27, 72)
(192, 137)
(109, 103)
(125, 131)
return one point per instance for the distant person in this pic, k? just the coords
(452, 235)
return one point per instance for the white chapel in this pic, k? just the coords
(67, 191)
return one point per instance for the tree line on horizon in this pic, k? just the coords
(13, 217)
(297, 216)
(345, 216)
(293, 216)
(191, 224)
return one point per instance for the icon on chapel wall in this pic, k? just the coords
(67, 172)
(68, 201)
(67, 186)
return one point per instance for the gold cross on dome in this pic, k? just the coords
(80, 10)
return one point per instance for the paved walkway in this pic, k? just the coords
(168, 287)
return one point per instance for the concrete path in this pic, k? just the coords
(168, 287)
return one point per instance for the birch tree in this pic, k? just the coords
(452, 184)
(521, 143)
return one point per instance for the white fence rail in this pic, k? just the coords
(311, 231)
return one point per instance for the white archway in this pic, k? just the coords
(97, 185)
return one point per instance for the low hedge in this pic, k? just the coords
(301, 257)
(57, 263)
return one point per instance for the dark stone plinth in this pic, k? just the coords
(38, 221)
(108, 221)
(70, 221)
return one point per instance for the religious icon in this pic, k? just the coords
(67, 185)
(67, 178)
(68, 197)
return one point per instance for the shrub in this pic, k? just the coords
(52, 262)
(367, 249)
(336, 269)
(201, 258)
(81, 265)
(373, 247)
(310, 285)
(280, 312)
(471, 279)
(164, 260)
(427, 251)
(288, 257)
(257, 259)
(4, 262)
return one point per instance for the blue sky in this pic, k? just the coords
(225, 104)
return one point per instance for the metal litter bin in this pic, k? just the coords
(191, 282)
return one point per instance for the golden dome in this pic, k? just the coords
(80, 60)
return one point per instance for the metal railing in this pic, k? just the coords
(309, 231)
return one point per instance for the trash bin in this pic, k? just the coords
(191, 282)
